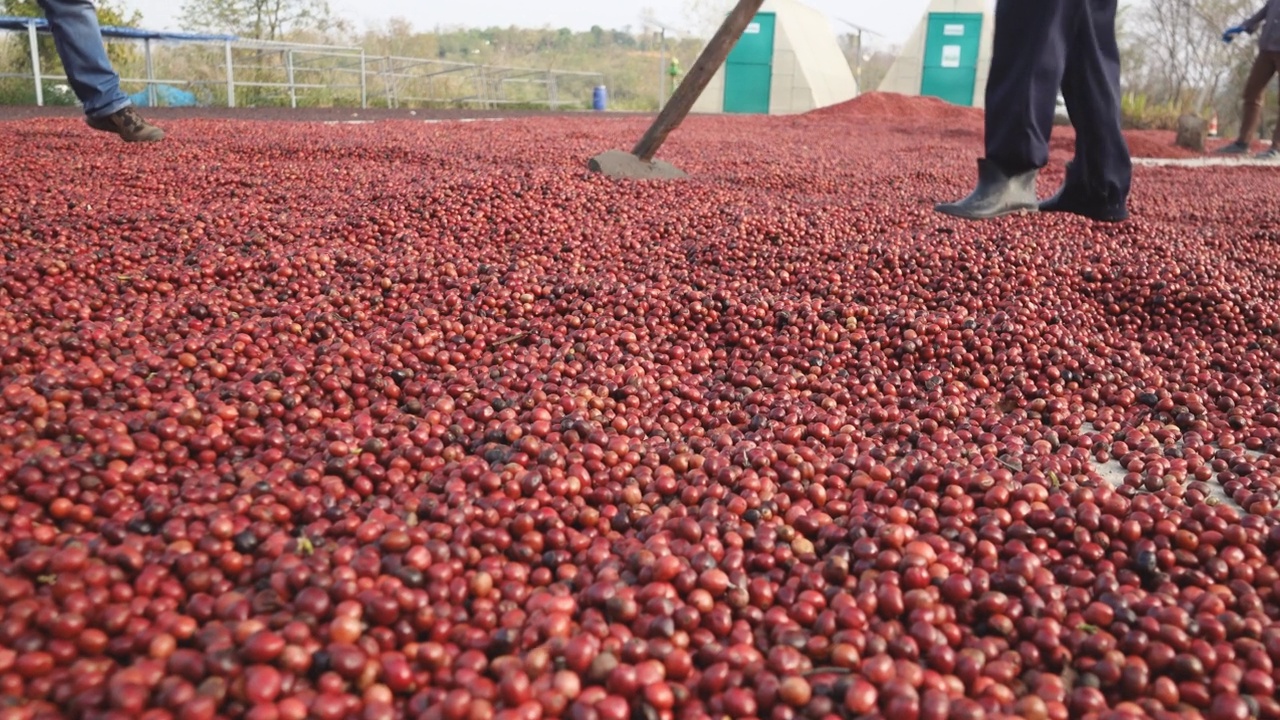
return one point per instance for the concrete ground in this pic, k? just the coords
(1200, 162)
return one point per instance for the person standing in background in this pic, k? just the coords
(1265, 66)
(78, 39)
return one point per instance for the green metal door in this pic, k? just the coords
(748, 71)
(951, 57)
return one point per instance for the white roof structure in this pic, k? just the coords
(801, 65)
(944, 57)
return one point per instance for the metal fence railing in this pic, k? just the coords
(409, 82)
(164, 68)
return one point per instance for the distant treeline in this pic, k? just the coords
(632, 62)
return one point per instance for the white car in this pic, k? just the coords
(1060, 111)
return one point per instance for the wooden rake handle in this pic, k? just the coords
(682, 100)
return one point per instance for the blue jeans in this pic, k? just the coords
(74, 24)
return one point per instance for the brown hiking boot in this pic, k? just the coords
(128, 124)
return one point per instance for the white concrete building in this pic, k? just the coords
(948, 55)
(788, 61)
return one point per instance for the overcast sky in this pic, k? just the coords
(895, 19)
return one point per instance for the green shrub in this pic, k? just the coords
(1138, 113)
(20, 91)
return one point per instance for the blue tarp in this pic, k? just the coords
(13, 22)
(166, 96)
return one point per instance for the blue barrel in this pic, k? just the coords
(599, 98)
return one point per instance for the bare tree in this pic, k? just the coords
(705, 16)
(1174, 53)
(258, 19)
(110, 13)
(875, 66)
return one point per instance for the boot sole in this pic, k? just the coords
(1050, 206)
(116, 131)
(956, 212)
(1095, 217)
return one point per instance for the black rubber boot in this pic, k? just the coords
(997, 194)
(1073, 197)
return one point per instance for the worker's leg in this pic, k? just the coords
(1098, 178)
(1275, 133)
(76, 34)
(1264, 67)
(1028, 58)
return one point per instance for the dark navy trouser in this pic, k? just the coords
(1039, 47)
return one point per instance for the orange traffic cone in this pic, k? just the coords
(1213, 125)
